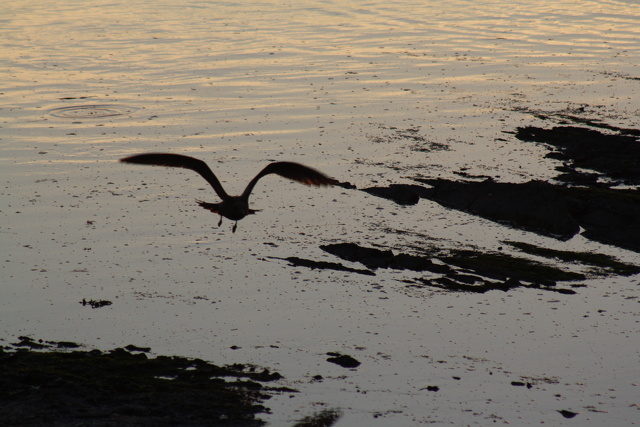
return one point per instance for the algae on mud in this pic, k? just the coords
(119, 387)
(602, 264)
(462, 270)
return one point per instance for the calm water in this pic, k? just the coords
(330, 84)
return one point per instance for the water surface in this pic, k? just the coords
(334, 85)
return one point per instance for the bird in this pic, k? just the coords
(232, 207)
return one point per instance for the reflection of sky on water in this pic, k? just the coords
(324, 83)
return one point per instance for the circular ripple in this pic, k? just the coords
(91, 111)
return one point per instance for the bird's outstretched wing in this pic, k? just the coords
(179, 161)
(294, 171)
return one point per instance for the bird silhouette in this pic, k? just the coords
(232, 207)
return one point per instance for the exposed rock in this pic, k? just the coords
(370, 257)
(500, 266)
(536, 206)
(475, 271)
(324, 265)
(417, 263)
(376, 258)
(614, 156)
(402, 194)
(600, 264)
(608, 215)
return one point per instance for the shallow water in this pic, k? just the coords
(338, 86)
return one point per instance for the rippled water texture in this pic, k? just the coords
(90, 111)
(372, 93)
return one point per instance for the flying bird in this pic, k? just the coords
(232, 207)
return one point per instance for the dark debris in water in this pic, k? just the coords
(567, 414)
(48, 387)
(450, 284)
(579, 116)
(324, 418)
(343, 360)
(521, 384)
(27, 342)
(95, 303)
(132, 347)
(417, 141)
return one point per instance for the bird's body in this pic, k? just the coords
(232, 207)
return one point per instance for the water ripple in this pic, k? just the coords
(91, 111)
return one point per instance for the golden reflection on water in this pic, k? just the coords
(182, 43)
(276, 70)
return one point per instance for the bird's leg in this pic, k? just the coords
(220, 222)
(235, 226)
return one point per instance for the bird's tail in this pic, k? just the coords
(213, 207)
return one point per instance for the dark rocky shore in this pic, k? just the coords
(604, 201)
(59, 384)
(595, 194)
(44, 383)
